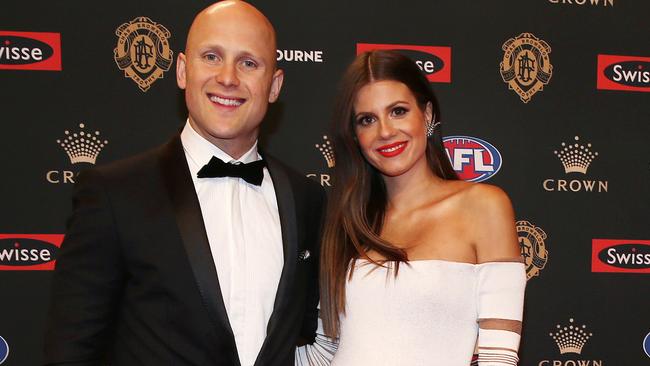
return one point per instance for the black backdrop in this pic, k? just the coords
(557, 226)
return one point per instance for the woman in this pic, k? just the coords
(417, 267)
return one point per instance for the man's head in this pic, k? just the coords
(229, 74)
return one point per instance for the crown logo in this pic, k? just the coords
(327, 151)
(82, 146)
(576, 157)
(571, 339)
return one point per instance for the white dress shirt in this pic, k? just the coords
(243, 228)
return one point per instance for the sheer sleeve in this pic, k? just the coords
(500, 291)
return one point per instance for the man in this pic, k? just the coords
(179, 257)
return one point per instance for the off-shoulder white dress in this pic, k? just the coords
(427, 315)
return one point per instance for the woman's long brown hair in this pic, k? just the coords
(357, 203)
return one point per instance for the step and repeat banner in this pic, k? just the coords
(547, 99)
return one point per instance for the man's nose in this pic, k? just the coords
(227, 74)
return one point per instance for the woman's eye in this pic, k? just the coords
(399, 111)
(365, 120)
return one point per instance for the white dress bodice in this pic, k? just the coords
(427, 315)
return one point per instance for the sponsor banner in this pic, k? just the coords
(576, 157)
(327, 152)
(473, 159)
(143, 51)
(620, 255)
(526, 65)
(570, 339)
(4, 350)
(30, 51)
(602, 3)
(29, 252)
(299, 56)
(533, 248)
(628, 73)
(434, 61)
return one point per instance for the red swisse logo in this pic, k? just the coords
(630, 73)
(434, 61)
(30, 51)
(29, 252)
(620, 255)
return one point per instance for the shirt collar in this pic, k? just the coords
(201, 150)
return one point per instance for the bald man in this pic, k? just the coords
(203, 251)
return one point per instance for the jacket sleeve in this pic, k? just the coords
(88, 280)
(310, 321)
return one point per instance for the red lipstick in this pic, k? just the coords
(393, 149)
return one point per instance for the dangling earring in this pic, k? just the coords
(431, 126)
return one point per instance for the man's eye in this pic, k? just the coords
(211, 57)
(249, 64)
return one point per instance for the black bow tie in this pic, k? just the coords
(252, 173)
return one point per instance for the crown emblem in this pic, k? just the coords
(82, 146)
(327, 151)
(576, 157)
(571, 339)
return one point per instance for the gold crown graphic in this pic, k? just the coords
(82, 146)
(327, 151)
(571, 339)
(576, 157)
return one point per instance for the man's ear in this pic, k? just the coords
(180, 70)
(276, 85)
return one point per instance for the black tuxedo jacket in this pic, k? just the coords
(135, 281)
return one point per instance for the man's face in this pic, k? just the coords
(229, 77)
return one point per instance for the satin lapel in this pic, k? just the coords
(287, 211)
(187, 210)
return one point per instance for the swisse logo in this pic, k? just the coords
(621, 256)
(473, 159)
(299, 56)
(629, 73)
(434, 61)
(29, 252)
(30, 51)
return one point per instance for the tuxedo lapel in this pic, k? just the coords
(187, 210)
(287, 212)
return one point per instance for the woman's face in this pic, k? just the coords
(390, 127)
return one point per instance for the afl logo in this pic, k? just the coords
(4, 350)
(434, 61)
(473, 159)
(646, 344)
(29, 252)
(623, 73)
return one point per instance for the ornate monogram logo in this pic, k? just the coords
(143, 51)
(526, 66)
(533, 249)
